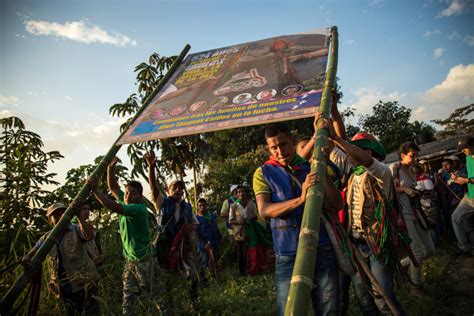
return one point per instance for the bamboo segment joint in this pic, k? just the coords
(308, 232)
(302, 279)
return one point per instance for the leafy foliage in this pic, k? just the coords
(390, 122)
(459, 122)
(24, 176)
(351, 130)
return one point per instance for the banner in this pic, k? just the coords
(254, 83)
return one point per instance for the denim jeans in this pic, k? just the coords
(422, 247)
(460, 218)
(325, 294)
(368, 304)
(140, 284)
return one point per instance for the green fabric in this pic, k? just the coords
(207, 216)
(359, 170)
(134, 230)
(373, 145)
(297, 160)
(470, 175)
(257, 234)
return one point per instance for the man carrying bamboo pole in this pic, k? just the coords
(369, 218)
(137, 278)
(281, 186)
(73, 275)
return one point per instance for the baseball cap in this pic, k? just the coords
(54, 207)
(368, 141)
(233, 187)
(453, 158)
(176, 182)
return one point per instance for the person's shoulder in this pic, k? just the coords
(136, 207)
(394, 166)
(258, 172)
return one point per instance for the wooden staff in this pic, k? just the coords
(376, 285)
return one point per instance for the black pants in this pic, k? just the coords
(82, 302)
(242, 254)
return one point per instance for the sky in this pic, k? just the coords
(64, 63)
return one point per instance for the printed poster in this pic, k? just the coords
(270, 80)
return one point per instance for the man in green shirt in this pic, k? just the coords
(135, 235)
(464, 212)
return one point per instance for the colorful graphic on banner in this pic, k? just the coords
(270, 80)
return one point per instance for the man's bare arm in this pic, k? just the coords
(112, 183)
(156, 196)
(269, 209)
(104, 199)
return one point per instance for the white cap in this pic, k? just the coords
(233, 187)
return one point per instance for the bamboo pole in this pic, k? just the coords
(20, 283)
(375, 284)
(298, 301)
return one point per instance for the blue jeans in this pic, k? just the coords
(368, 304)
(325, 295)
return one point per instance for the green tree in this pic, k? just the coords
(351, 130)
(459, 122)
(390, 122)
(24, 166)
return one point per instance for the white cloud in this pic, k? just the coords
(438, 53)
(457, 7)
(20, 36)
(368, 97)
(469, 40)
(79, 31)
(434, 32)
(454, 36)
(9, 101)
(375, 3)
(456, 90)
(67, 97)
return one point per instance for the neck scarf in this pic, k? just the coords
(294, 164)
(207, 216)
(359, 170)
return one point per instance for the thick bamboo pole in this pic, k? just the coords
(298, 302)
(9, 299)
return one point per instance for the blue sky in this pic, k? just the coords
(64, 63)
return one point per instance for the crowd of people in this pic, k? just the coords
(379, 223)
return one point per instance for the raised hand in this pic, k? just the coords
(113, 162)
(150, 158)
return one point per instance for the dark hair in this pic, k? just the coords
(466, 142)
(406, 147)
(202, 200)
(304, 139)
(135, 184)
(274, 129)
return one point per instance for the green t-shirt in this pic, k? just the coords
(470, 175)
(134, 230)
